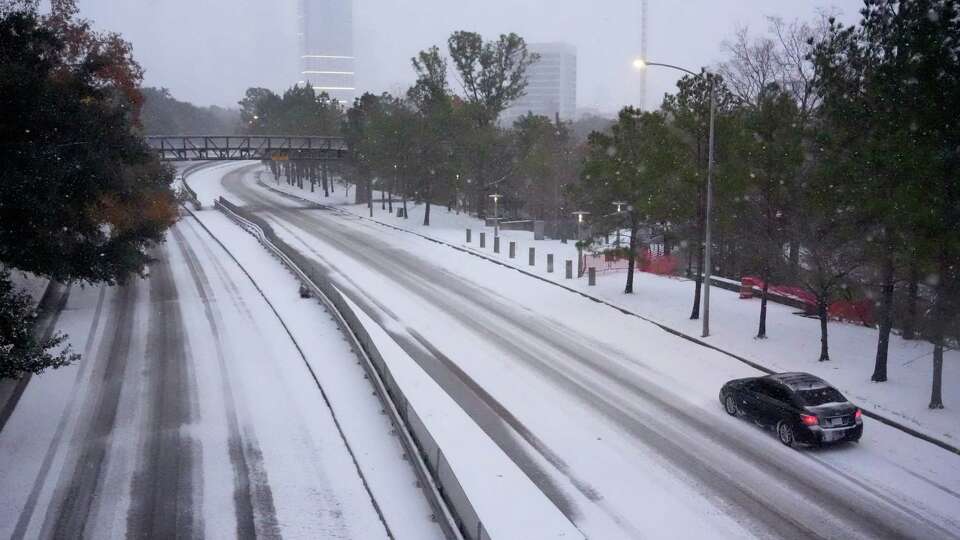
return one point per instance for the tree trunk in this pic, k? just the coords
(325, 180)
(695, 312)
(701, 228)
(370, 195)
(822, 313)
(426, 213)
(631, 265)
(910, 323)
(939, 329)
(886, 320)
(762, 331)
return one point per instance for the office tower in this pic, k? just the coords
(551, 84)
(326, 47)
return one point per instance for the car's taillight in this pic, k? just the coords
(858, 415)
(809, 419)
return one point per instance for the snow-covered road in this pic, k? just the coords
(615, 419)
(193, 414)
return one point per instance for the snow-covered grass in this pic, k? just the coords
(793, 342)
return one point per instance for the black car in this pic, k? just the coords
(802, 408)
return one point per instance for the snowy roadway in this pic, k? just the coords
(616, 420)
(193, 414)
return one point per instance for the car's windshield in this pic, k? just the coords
(820, 396)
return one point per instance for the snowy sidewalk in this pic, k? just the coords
(793, 343)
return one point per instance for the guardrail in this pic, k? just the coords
(188, 170)
(452, 507)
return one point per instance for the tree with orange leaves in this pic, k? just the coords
(82, 197)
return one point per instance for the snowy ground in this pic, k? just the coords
(793, 342)
(614, 419)
(194, 414)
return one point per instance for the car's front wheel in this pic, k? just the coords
(786, 435)
(730, 405)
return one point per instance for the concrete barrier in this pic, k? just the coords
(452, 508)
(456, 512)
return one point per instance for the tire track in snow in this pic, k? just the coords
(81, 480)
(253, 499)
(26, 515)
(162, 489)
(751, 503)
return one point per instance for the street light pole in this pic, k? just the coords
(496, 217)
(580, 214)
(708, 248)
(641, 63)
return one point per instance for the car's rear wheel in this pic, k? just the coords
(730, 405)
(786, 435)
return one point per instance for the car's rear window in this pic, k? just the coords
(819, 396)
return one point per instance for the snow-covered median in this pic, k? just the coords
(508, 504)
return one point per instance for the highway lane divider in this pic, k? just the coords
(474, 512)
(453, 506)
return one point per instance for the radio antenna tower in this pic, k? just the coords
(644, 11)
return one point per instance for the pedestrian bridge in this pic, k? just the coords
(243, 147)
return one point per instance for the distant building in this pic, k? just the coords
(326, 47)
(551, 84)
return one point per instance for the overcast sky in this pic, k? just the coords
(210, 51)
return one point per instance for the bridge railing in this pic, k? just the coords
(247, 147)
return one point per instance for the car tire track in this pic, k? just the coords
(26, 515)
(81, 480)
(255, 511)
(162, 489)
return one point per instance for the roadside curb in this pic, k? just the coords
(880, 418)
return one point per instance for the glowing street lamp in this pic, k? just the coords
(496, 219)
(619, 205)
(580, 214)
(640, 64)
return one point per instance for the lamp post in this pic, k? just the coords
(640, 64)
(496, 218)
(619, 205)
(580, 214)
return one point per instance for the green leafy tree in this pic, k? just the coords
(83, 196)
(773, 156)
(493, 75)
(642, 163)
(546, 163)
(887, 94)
(689, 110)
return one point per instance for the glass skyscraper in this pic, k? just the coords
(326, 47)
(551, 84)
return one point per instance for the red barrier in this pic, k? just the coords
(855, 311)
(614, 261)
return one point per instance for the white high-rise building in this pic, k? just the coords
(326, 47)
(551, 84)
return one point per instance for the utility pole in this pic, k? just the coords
(644, 25)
